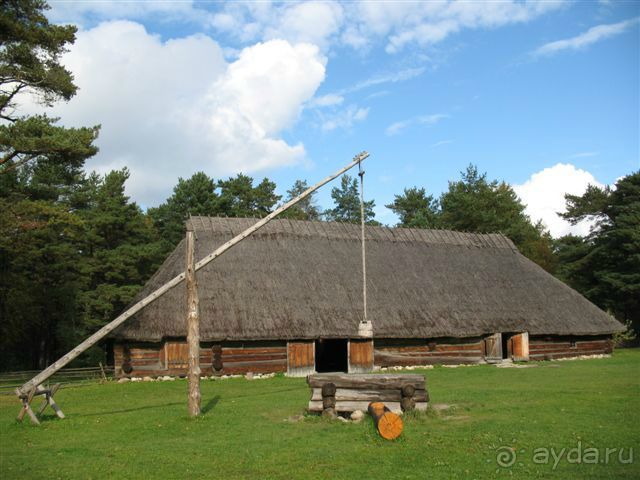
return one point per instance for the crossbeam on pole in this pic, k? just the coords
(104, 331)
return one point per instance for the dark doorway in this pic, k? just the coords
(506, 345)
(331, 355)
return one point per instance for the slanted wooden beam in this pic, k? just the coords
(104, 331)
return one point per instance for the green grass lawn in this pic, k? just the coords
(141, 430)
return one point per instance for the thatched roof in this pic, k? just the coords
(302, 280)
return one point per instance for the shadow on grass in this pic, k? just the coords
(128, 410)
(210, 405)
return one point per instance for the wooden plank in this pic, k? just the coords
(386, 395)
(300, 354)
(346, 406)
(473, 347)
(493, 346)
(520, 347)
(254, 363)
(252, 350)
(367, 381)
(360, 355)
(111, 326)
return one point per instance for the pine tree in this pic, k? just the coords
(416, 209)
(346, 198)
(305, 209)
(474, 204)
(194, 196)
(605, 266)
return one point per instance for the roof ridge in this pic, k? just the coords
(346, 230)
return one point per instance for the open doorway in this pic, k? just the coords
(506, 345)
(331, 355)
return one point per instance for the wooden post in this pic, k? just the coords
(193, 328)
(329, 400)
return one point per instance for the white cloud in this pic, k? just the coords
(316, 22)
(360, 25)
(584, 154)
(345, 118)
(402, 24)
(396, 127)
(591, 36)
(171, 108)
(543, 194)
(66, 11)
(432, 119)
(329, 100)
(440, 143)
(393, 77)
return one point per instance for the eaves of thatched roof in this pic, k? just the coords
(302, 280)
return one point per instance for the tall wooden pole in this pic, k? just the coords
(123, 317)
(193, 327)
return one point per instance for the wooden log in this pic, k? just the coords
(193, 328)
(104, 331)
(367, 381)
(328, 402)
(352, 406)
(328, 390)
(352, 394)
(328, 399)
(389, 424)
(407, 404)
(408, 390)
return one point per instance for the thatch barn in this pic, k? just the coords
(289, 299)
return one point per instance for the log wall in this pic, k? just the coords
(549, 348)
(406, 352)
(170, 358)
(256, 357)
(155, 359)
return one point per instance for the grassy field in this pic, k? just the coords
(140, 430)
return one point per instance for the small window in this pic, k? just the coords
(572, 343)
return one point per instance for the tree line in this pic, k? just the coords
(75, 250)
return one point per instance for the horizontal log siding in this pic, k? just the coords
(406, 352)
(151, 359)
(549, 348)
(256, 357)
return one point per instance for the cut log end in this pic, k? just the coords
(390, 426)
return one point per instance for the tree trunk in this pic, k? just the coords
(193, 326)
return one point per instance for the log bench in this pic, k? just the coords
(341, 392)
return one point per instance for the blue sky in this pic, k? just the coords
(543, 95)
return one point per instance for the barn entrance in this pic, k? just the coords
(506, 346)
(331, 355)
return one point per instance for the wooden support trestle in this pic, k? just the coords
(26, 399)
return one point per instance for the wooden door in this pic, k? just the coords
(360, 355)
(493, 347)
(300, 358)
(520, 347)
(176, 355)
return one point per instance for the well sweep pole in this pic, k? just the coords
(100, 334)
(193, 326)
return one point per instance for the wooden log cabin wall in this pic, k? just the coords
(228, 358)
(550, 348)
(297, 358)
